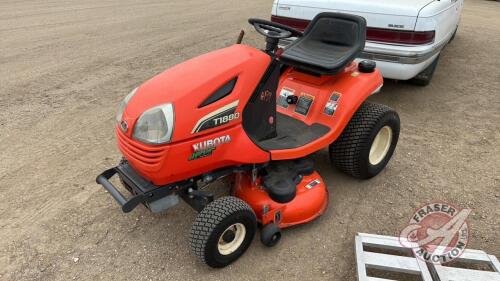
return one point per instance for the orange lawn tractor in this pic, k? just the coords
(252, 117)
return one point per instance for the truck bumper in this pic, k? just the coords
(396, 61)
(400, 71)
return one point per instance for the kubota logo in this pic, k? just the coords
(207, 147)
(211, 143)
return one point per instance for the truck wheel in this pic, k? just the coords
(222, 231)
(366, 145)
(425, 77)
(453, 36)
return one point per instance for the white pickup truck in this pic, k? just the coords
(404, 37)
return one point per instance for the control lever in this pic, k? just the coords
(240, 37)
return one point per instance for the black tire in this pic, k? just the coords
(270, 235)
(453, 36)
(424, 78)
(351, 151)
(213, 221)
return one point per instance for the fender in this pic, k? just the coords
(353, 88)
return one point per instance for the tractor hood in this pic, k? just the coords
(190, 87)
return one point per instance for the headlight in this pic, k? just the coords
(123, 105)
(156, 125)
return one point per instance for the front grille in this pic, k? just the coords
(147, 155)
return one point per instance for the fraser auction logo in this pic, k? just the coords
(437, 233)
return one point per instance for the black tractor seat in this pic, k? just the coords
(329, 44)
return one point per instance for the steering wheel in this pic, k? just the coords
(273, 30)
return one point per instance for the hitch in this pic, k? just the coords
(195, 198)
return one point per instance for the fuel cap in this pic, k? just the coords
(367, 66)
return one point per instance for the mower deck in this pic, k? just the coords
(310, 191)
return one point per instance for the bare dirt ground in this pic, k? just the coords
(66, 65)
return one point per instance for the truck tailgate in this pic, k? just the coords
(390, 14)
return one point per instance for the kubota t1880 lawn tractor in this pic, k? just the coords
(252, 117)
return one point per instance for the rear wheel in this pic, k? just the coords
(453, 36)
(424, 78)
(222, 231)
(367, 143)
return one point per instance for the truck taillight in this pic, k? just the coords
(399, 36)
(372, 34)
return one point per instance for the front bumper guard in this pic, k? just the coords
(143, 191)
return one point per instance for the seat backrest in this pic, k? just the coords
(338, 29)
(330, 43)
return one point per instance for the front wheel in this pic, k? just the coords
(222, 231)
(367, 143)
